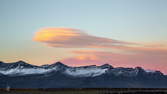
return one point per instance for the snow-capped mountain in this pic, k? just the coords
(20, 64)
(58, 75)
(23, 68)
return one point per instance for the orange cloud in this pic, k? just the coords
(87, 57)
(74, 38)
(55, 34)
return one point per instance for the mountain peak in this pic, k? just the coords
(20, 62)
(58, 64)
(106, 66)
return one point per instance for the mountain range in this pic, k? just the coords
(58, 75)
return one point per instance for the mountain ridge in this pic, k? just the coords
(23, 65)
(59, 75)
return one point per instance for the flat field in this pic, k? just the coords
(87, 91)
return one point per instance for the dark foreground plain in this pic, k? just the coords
(87, 91)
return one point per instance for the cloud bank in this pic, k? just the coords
(74, 38)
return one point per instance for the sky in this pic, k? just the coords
(123, 33)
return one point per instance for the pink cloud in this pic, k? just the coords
(149, 59)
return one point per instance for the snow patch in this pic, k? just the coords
(149, 71)
(85, 72)
(25, 71)
(125, 72)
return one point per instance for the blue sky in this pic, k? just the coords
(140, 21)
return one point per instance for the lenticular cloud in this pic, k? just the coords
(73, 38)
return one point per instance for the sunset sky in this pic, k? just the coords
(123, 33)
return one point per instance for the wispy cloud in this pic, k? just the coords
(74, 38)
